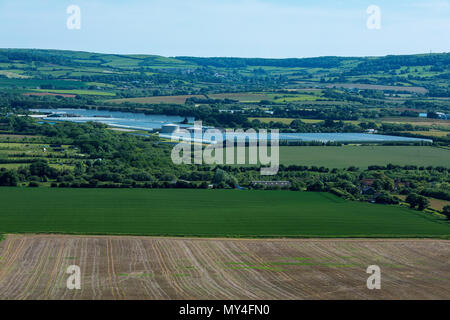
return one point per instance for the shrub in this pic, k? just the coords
(446, 211)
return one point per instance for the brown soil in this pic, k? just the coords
(115, 267)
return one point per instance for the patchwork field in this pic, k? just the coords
(245, 97)
(420, 90)
(363, 156)
(21, 150)
(208, 213)
(34, 267)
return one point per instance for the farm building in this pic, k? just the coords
(281, 184)
(170, 128)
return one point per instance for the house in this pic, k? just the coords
(401, 184)
(366, 187)
(367, 182)
(368, 191)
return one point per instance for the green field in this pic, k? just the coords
(206, 213)
(157, 99)
(363, 156)
(80, 92)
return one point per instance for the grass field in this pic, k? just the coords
(242, 96)
(425, 122)
(431, 133)
(157, 99)
(378, 87)
(220, 213)
(435, 204)
(363, 156)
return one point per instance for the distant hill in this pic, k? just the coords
(139, 75)
(74, 58)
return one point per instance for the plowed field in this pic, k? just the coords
(115, 267)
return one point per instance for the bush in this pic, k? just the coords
(33, 184)
(8, 178)
(446, 211)
(385, 199)
(317, 186)
(438, 194)
(341, 193)
(418, 201)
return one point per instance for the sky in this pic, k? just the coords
(229, 28)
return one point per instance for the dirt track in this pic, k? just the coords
(34, 267)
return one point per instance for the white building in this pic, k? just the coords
(170, 128)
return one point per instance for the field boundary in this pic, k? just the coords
(209, 238)
(234, 236)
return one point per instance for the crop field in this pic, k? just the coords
(413, 89)
(34, 267)
(297, 98)
(33, 83)
(25, 150)
(267, 120)
(157, 99)
(363, 156)
(426, 122)
(242, 96)
(207, 213)
(431, 133)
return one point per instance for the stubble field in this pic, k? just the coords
(114, 267)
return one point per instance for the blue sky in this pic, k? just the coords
(239, 28)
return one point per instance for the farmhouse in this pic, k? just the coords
(398, 183)
(367, 182)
